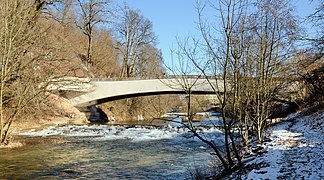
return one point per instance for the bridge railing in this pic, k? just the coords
(154, 77)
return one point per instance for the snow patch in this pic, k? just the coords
(295, 152)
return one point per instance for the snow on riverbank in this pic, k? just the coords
(295, 152)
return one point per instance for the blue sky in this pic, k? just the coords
(177, 18)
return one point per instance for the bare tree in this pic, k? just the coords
(21, 61)
(136, 44)
(105, 55)
(246, 53)
(189, 60)
(92, 13)
(223, 62)
(150, 62)
(61, 11)
(135, 32)
(67, 4)
(271, 36)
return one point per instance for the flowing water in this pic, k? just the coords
(107, 152)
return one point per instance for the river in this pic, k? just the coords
(108, 152)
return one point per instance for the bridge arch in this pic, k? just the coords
(114, 98)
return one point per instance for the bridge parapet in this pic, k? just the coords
(155, 77)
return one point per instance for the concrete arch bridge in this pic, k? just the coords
(89, 93)
(108, 90)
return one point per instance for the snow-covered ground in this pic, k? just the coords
(295, 152)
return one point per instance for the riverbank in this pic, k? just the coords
(21, 126)
(296, 150)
